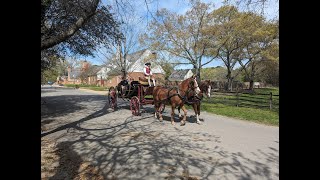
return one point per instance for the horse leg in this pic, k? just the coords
(159, 112)
(179, 112)
(197, 111)
(155, 110)
(172, 114)
(194, 106)
(183, 122)
(155, 113)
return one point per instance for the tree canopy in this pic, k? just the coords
(76, 27)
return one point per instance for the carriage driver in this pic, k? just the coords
(148, 73)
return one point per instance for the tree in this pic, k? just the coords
(182, 35)
(74, 27)
(213, 73)
(85, 73)
(245, 36)
(261, 44)
(58, 68)
(225, 23)
(49, 75)
(48, 59)
(257, 6)
(77, 25)
(268, 72)
(117, 55)
(167, 62)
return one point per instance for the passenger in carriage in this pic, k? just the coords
(148, 73)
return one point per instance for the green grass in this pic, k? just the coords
(252, 100)
(263, 116)
(252, 107)
(275, 90)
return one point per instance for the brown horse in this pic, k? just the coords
(112, 97)
(176, 97)
(205, 88)
(122, 87)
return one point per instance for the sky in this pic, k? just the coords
(180, 7)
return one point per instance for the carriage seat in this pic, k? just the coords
(143, 81)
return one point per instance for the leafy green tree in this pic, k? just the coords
(183, 35)
(213, 73)
(246, 37)
(261, 45)
(225, 24)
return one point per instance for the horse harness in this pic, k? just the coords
(183, 98)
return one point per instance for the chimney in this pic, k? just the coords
(85, 65)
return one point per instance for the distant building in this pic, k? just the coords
(180, 75)
(135, 63)
(73, 76)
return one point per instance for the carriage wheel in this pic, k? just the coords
(114, 103)
(135, 105)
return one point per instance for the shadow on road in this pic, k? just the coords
(132, 150)
(137, 148)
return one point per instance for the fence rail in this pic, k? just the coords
(246, 99)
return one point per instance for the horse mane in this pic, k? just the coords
(185, 83)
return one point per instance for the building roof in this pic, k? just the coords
(93, 70)
(178, 74)
(139, 59)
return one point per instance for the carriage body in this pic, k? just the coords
(136, 92)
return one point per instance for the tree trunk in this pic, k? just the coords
(125, 59)
(251, 85)
(198, 76)
(229, 80)
(197, 72)
(252, 74)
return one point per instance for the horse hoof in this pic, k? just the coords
(173, 123)
(198, 122)
(182, 124)
(160, 119)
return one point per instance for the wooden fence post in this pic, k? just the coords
(270, 100)
(237, 99)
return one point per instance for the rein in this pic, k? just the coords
(183, 98)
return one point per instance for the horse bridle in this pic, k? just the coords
(185, 98)
(195, 87)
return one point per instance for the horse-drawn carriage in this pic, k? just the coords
(187, 92)
(138, 92)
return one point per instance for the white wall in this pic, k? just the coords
(189, 74)
(103, 72)
(139, 64)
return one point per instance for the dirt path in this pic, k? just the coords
(121, 146)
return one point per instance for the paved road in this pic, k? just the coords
(126, 147)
